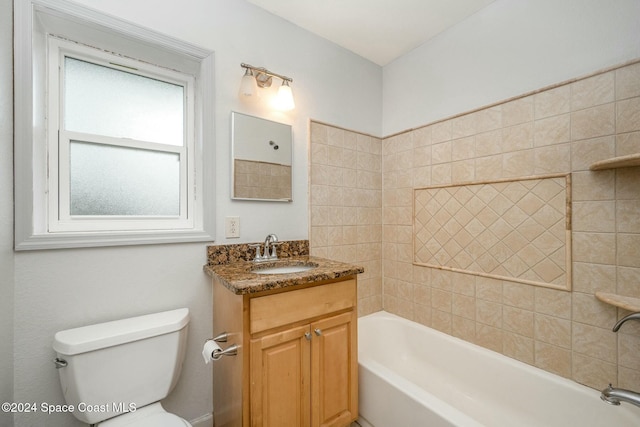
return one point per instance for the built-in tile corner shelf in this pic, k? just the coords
(617, 162)
(628, 303)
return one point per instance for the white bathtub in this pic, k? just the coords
(412, 376)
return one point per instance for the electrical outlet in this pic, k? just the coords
(232, 227)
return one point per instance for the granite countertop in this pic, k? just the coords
(238, 278)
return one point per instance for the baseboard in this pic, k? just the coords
(203, 421)
(361, 422)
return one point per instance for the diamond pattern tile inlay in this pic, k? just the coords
(517, 230)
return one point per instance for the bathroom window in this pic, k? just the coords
(120, 142)
(119, 151)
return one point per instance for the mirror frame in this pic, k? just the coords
(234, 148)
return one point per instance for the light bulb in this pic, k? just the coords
(248, 86)
(284, 98)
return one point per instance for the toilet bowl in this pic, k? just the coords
(120, 371)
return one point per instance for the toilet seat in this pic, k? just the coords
(152, 415)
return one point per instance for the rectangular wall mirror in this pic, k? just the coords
(261, 153)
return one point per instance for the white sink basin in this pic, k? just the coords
(283, 269)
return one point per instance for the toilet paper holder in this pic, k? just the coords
(232, 350)
(221, 337)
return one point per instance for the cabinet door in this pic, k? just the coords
(334, 371)
(280, 379)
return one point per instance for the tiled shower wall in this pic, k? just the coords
(346, 205)
(558, 130)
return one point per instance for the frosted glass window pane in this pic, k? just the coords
(111, 180)
(105, 101)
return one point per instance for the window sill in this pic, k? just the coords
(87, 240)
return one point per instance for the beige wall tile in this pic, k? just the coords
(590, 278)
(441, 174)
(594, 247)
(552, 102)
(422, 136)
(628, 248)
(464, 283)
(441, 320)
(598, 216)
(628, 378)
(519, 347)
(553, 302)
(464, 126)
(489, 337)
(463, 328)
(628, 280)
(489, 289)
(441, 131)
(464, 306)
(593, 91)
(489, 143)
(593, 372)
(463, 148)
(586, 152)
(441, 300)
(591, 311)
(489, 313)
(552, 130)
(553, 359)
(518, 295)
(628, 81)
(628, 115)
(627, 216)
(593, 122)
(463, 171)
(591, 186)
(596, 342)
(489, 119)
(627, 143)
(441, 153)
(518, 137)
(553, 330)
(627, 180)
(518, 320)
(335, 136)
(519, 163)
(517, 111)
(551, 160)
(628, 351)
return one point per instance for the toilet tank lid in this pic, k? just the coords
(102, 335)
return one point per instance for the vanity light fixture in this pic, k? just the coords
(259, 77)
(248, 86)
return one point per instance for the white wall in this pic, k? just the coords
(6, 211)
(506, 49)
(59, 289)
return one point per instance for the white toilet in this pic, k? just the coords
(116, 373)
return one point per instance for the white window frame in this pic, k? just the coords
(42, 219)
(59, 140)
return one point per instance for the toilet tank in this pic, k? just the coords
(117, 366)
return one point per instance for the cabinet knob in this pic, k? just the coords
(307, 335)
(317, 331)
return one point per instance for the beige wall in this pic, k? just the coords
(346, 205)
(558, 130)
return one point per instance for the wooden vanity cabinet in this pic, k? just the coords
(298, 357)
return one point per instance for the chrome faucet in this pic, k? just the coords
(271, 241)
(632, 316)
(612, 395)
